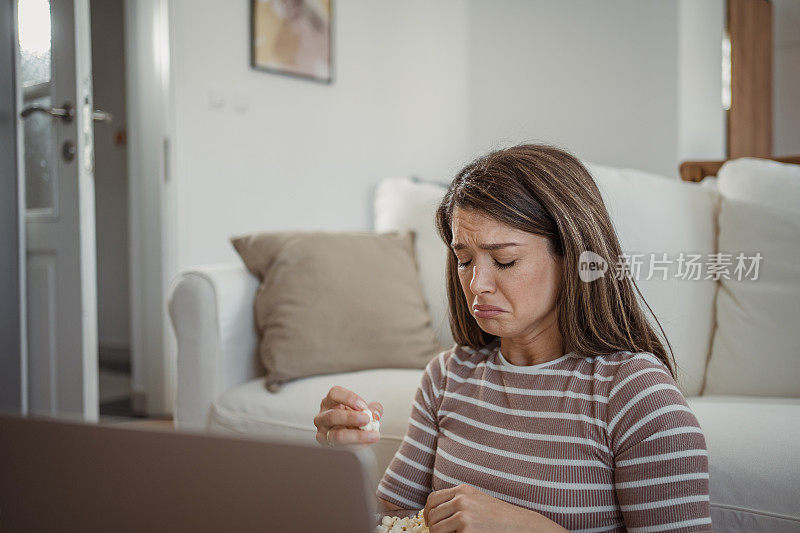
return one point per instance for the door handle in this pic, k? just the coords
(65, 113)
(102, 116)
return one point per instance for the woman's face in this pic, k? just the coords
(522, 280)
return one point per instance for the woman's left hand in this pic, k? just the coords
(465, 509)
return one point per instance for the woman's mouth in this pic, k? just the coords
(486, 314)
(486, 311)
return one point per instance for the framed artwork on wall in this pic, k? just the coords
(292, 37)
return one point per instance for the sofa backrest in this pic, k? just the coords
(652, 214)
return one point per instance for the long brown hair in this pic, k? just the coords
(548, 192)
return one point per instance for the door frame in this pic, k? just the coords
(13, 357)
(152, 202)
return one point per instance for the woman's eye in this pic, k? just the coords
(499, 264)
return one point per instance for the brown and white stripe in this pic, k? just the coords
(593, 443)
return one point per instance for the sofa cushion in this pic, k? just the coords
(755, 349)
(654, 215)
(337, 302)
(289, 414)
(754, 462)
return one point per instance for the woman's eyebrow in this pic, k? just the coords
(491, 246)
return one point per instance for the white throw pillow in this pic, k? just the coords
(755, 349)
(406, 203)
(654, 214)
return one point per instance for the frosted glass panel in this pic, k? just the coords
(39, 129)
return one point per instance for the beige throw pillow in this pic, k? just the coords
(337, 302)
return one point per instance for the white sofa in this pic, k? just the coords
(751, 421)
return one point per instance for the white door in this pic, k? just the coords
(54, 94)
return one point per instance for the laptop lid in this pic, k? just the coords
(70, 476)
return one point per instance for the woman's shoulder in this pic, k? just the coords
(632, 373)
(625, 370)
(625, 362)
(643, 398)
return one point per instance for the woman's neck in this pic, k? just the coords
(540, 346)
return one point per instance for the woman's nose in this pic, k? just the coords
(481, 280)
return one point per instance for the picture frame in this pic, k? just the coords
(293, 38)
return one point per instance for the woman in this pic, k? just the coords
(557, 407)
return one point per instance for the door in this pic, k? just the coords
(751, 58)
(55, 134)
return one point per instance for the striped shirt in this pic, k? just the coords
(603, 443)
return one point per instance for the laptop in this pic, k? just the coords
(70, 476)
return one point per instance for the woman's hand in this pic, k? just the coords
(465, 509)
(339, 419)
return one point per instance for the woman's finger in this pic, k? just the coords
(340, 417)
(341, 436)
(435, 499)
(441, 512)
(320, 436)
(451, 523)
(340, 395)
(377, 410)
(344, 417)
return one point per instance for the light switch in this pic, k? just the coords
(216, 99)
(241, 102)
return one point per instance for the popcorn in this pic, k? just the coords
(373, 424)
(395, 524)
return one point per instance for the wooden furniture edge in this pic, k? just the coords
(697, 170)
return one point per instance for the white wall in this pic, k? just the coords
(599, 78)
(305, 155)
(786, 86)
(421, 88)
(701, 117)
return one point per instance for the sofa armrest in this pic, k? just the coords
(211, 309)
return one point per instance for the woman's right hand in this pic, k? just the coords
(339, 419)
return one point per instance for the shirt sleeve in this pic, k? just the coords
(407, 480)
(660, 454)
